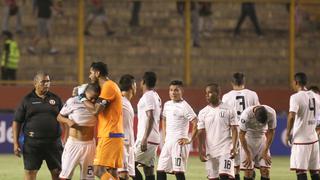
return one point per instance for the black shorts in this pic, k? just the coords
(35, 151)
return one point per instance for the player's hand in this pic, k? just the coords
(288, 139)
(16, 149)
(144, 144)
(184, 141)
(233, 153)
(203, 157)
(265, 156)
(72, 124)
(248, 162)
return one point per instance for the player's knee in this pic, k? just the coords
(247, 178)
(148, 171)
(161, 175)
(264, 172)
(224, 177)
(107, 176)
(248, 173)
(123, 176)
(180, 176)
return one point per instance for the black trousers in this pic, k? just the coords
(248, 9)
(8, 74)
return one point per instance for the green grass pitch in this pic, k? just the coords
(11, 168)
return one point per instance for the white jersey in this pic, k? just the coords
(253, 128)
(216, 122)
(128, 116)
(149, 101)
(306, 105)
(178, 115)
(77, 111)
(240, 100)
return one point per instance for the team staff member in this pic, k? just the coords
(109, 152)
(37, 112)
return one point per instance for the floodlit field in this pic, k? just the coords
(11, 168)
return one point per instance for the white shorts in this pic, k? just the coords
(78, 153)
(219, 166)
(128, 161)
(305, 157)
(173, 157)
(146, 158)
(256, 146)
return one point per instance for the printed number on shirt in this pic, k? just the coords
(227, 164)
(240, 100)
(312, 106)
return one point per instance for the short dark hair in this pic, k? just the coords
(261, 114)
(101, 67)
(8, 34)
(40, 74)
(126, 82)
(94, 87)
(149, 78)
(214, 87)
(238, 78)
(314, 88)
(301, 78)
(176, 83)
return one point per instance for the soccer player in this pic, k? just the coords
(128, 89)
(301, 129)
(239, 98)
(109, 151)
(217, 128)
(148, 137)
(257, 128)
(80, 147)
(177, 114)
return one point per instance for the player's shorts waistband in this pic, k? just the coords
(116, 135)
(77, 141)
(308, 143)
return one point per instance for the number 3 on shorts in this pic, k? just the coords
(90, 171)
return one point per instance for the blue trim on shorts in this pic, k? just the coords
(116, 135)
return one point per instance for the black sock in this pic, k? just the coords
(237, 177)
(151, 177)
(122, 178)
(264, 178)
(247, 178)
(302, 176)
(138, 175)
(161, 175)
(180, 176)
(223, 177)
(315, 176)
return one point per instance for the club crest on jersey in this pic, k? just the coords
(52, 102)
(222, 113)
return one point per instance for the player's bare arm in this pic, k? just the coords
(291, 118)
(147, 132)
(67, 121)
(269, 135)
(234, 132)
(202, 153)
(248, 161)
(97, 107)
(16, 132)
(194, 133)
(164, 125)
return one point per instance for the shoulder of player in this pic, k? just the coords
(225, 106)
(204, 110)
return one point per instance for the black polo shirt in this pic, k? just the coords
(44, 8)
(39, 116)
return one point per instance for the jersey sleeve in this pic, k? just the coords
(233, 118)
(256, 99)
(149, 102)
(67, 108)
(20, 113)
(189, 113)
(294, 107)
(243, 121)
(164, 111)
(108, 92)
(201, 124)
(272, 124)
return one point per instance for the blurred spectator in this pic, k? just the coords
(96, 10)
(10, 57)
(44, 9)
(194, 21)
(134, 21)
(248, 9)
(205, 23)
(11, 8)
